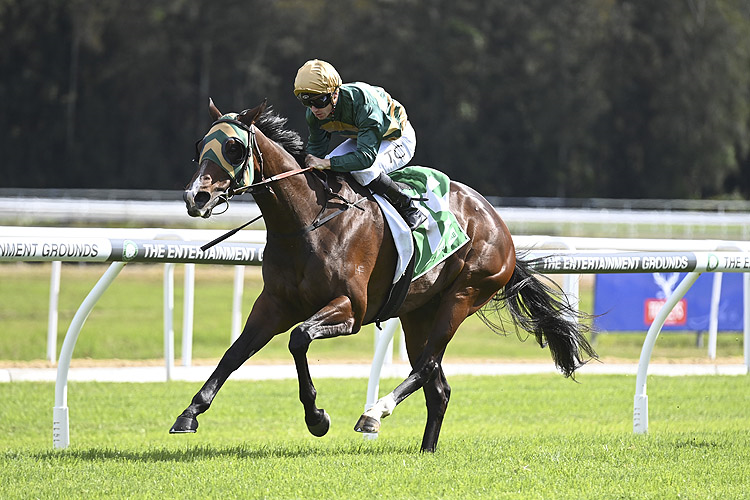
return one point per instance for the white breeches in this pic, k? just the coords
(392, 155)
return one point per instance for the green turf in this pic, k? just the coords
(524, 437)
(127, 323)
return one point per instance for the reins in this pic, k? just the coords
(251, 188)
(228, 234)
(314, 225)
(274, 178)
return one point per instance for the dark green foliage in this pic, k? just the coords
(602, 98)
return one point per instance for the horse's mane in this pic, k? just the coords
(273, 126)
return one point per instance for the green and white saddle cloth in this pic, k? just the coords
(438, 237)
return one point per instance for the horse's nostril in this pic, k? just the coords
(201, 199)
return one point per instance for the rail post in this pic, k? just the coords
(640, 402)
(239, 285)
(52, 314)
(746, 320)
(60, 422)
(168, 318)
(383, 344)
(188, 312)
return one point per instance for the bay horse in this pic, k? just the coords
(329, 262)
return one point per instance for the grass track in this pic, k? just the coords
(527, 437)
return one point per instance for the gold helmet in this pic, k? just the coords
(316, 77)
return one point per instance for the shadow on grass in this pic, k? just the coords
(248, 451)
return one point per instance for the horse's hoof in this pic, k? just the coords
(320, 428)
(184, 425)
(367, 424)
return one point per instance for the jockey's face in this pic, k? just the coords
(322, 113)
(325, 111)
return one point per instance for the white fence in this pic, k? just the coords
(118, 251)
(20, 236)
(565, 256)
(691, 222)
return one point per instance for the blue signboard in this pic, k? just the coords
(629, 302)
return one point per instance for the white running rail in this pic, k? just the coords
(568, 256)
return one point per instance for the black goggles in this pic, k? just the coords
(317, 100)
(234, 152)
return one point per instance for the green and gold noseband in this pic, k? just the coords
(232, 156)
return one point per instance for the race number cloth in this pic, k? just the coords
(440, 236)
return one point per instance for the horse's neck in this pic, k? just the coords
(290, 203)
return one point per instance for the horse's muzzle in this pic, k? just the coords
(194, 207)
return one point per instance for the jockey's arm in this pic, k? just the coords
(368, 143)
(318, 139)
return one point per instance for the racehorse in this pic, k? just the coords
(329, 262)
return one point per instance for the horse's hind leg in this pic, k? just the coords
(333, 320)
(437, 393)
(426, 343)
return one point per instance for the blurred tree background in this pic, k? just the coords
(591, 98)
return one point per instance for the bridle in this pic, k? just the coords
(214, 146)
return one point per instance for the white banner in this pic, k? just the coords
(15, 248)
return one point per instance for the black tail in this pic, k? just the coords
(544, 310)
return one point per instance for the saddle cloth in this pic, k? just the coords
(437, 238)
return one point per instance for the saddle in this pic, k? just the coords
(430, 244)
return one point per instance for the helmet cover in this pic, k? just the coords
(316, 77)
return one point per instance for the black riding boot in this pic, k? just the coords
(402, 202)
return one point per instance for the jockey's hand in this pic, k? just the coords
(315, 162)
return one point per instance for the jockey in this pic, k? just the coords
(380, 138)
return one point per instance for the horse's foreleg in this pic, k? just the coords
(333, 320)
(255, 335)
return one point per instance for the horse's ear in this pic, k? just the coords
(213, 110)
(249, 116)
